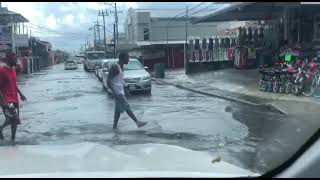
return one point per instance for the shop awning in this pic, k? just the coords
(147, 43)
(248, 11)
(7, 16)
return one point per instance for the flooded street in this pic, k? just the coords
(66, 107)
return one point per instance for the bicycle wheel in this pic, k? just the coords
(316, 92)
(310, 85)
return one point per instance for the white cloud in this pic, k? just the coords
(51, 22)
(82, 18)
(69, 19)
(91, 5)
(29, 10)
(70, 6)
(128, 5)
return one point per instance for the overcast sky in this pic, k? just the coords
(66, 24)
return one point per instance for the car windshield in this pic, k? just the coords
(94, 56)
(106, 65)
(217, 89)
(133, 65)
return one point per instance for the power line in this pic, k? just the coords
(185, 13)
(201, 10)
(44, 30)
(190, 9)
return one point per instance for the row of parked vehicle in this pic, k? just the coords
(136, 77)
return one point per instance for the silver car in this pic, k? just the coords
(70, 64)
(135, 76)
(99, 68)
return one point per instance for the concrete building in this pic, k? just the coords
(161, 39)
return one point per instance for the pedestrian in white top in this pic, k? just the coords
(116, 84)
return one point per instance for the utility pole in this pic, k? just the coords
(116, 19)
(98, 31)
(94, 34)
(95, 37)
(186, 49)
(13, 43)
(168, 47)
(104, 29)
(187, 19)
(114, 40)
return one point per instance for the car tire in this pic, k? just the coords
(148, 91)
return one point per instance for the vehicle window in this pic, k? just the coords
(230, 88)
(133, 65)
(93, 56)
(106, 65)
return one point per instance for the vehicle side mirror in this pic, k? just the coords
(146, 68)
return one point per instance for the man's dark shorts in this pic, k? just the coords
(11, 112)
(121, 103)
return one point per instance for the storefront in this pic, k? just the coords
(287, 42)
(291, 24)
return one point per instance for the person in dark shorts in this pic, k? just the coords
(9, 91)
(116, 84)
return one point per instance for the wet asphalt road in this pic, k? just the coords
(71, 106)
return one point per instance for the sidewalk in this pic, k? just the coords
(230, 84)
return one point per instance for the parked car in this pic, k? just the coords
(135, 76)
(80, 59)
(92, 58)
(70, 64)
(99, 68)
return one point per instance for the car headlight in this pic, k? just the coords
(146, 78)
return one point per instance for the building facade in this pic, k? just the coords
(162, 39)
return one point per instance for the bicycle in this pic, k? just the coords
(316, 90)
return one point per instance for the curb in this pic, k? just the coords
(220, 97)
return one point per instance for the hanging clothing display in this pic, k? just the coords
(197, 49)
(233, 42)
(216, 49)
(239, 59)
(222, 50)
(249, 39)
(204, 48)
(230, 54)
(256, 38)
(210, 48)
(227, 42)
(191, 45)
(244, 35)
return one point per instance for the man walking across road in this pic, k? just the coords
(9, 91)
(116, 84)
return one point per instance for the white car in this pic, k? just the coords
(135, 76)
(70, 64)
(99, 68)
